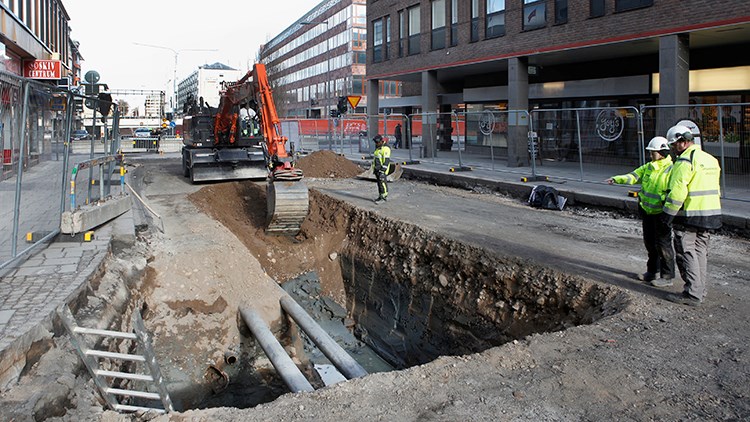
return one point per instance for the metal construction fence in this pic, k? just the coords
(583, 144)
(36, 121)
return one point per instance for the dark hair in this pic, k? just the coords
(377, 138)
(664, 152)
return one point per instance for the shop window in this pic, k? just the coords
(414, 30)
(596, 8)
(622, 5)
(495, 18)
(438, 24)
(534, 14)
(561, 11)
(377, 40)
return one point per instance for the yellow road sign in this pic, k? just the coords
(354, 100)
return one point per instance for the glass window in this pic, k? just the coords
(474, 20)
(377, 40)
(414, 30)
(622, 5)
(438, 24)
(561, 11)
(454, 22)
(534, 14)
(596, 8)
(401, 32)
(495, 18)
(386, 47)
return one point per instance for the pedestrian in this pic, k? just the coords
(693, 208)
(397, 135)
(657, 235)
(380, 163)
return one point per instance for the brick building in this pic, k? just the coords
(521, 54)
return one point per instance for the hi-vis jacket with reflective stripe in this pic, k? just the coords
(694, 193)
(381, 159)
(653, 177)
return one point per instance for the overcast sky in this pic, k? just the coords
(108, 31)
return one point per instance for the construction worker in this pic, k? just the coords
(380, 163)
(657, 235)
(693, 207)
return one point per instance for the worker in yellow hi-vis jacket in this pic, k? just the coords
(380, 162)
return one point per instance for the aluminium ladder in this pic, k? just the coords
(90, 358)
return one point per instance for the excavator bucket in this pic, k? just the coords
(394, 173)
(288, 204)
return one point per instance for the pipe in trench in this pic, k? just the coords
(335, 353)
(285, 367)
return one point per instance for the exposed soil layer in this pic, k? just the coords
(327, 164)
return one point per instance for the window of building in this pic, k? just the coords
(359, 57)
(561, 11)
(474, 20)
(534, 14)
(495, 18)
(454, 22)
(377, 40)
(401, 32)
(414, 30)
(596, 8)
(438, 24)
(622, 5)
(387, 45)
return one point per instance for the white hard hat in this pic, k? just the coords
(679, 132)
(658, 143)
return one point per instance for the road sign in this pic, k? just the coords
(57, 103)
(92, 76)
(354, 100)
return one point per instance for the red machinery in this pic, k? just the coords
(219, 145)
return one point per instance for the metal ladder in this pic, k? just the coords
(90, 358)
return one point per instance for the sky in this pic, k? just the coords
(109, 30)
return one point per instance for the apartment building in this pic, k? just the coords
(525, 54)
(205, 82)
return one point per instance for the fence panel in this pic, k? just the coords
(722, 130)
(587, 143)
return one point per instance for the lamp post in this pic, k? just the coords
(174, 78)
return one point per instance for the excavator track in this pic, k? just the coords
(288, 204)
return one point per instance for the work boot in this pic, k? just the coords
(683, 298)
(380, 199)
(661, 282)
(647, 276)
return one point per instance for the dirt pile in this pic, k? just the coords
(328, 164)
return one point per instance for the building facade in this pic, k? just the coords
(205, 82)
(320, 58)
(34, 31)
(526, 54)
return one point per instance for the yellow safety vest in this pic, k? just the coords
(381, 158)
(654, 179)
(694, 197)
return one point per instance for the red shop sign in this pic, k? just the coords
(42, 69)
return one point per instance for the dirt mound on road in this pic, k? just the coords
(328, 164)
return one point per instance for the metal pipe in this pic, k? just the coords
(19, 170)
(287, 370)
(335, 353)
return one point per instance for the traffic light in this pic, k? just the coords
(342, 105)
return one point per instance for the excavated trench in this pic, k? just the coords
(409, 294)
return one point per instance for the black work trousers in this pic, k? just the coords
(382, 183)
(657, 237)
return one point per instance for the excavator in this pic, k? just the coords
(219, 145)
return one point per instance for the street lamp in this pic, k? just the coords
(174, 79)
(328, 63)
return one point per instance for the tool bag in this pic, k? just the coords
(546, 197)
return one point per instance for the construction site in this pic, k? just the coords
(455, 303)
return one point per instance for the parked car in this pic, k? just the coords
(80, 135)
(142, 132)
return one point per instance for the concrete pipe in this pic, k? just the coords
(335, 353)
(287, 370)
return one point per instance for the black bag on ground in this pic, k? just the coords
(546, 197)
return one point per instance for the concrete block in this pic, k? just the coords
(94, 215)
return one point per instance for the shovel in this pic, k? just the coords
(394, 173)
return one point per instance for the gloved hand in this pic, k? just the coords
(666, 219)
